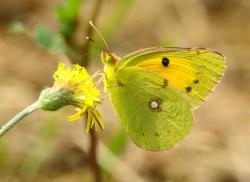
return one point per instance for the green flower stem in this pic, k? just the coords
(16, 119)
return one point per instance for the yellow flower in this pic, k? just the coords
(74, 87)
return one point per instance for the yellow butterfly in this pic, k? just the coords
(154, 90)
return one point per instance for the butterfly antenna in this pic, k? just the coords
(99, 33)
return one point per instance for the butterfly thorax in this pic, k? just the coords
(110, 60)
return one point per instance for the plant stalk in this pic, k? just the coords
(93, 156)
(84, 62)
(16, 119)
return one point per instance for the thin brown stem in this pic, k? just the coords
(93, 156)
(77, 55)
(84, 62)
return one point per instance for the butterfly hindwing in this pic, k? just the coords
(152, 129)
(192, 72)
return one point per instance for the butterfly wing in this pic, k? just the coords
(178, 79)
(159, 128)
(192, 72)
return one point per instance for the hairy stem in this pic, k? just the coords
(16, 119)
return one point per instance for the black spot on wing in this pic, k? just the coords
(188, 89)
(196, 81)
(165, 61)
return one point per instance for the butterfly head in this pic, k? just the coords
(109, 58)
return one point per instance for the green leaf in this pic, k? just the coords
(67, 13)
(52, 41)
(17, 27)
(68, 10)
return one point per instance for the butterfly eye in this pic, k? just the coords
(165, 61)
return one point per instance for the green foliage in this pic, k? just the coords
(3, 151)
(45, 38)
(116, 145)
(116, 16)
(118, 141)
(113, 20)
(49, 129)
(54, 42)
(38, 149)
(17, 27)
(67, 14)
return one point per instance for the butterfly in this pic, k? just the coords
(154, 91)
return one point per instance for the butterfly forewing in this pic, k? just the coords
(192, 72)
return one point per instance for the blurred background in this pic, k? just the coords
(36, 35)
